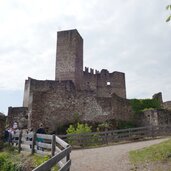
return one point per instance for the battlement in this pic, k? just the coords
(91, 71)
(103, 72)
(104, 83)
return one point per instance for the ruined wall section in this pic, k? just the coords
(90, 79)
(121, 108)
(109, 83)
(105, 83)
(2, 128)
(69, 57)
(167, 105)
(26, 93)
(57, 107)
(33, 85)
(19, 115)
(154, 118)
(39, 89)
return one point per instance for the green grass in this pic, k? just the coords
(11, 160)
(158, 152)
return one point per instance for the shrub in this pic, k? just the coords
(125, 124)
(6, 164)
(138, 105)
(78, 129)
(104, 126)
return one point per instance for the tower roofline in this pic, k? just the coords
(71, 30)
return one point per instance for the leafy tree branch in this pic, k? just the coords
(169, 17)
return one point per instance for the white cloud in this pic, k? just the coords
(130, 36)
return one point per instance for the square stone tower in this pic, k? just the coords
(69, 57)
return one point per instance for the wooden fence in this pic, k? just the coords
(131, 134)
(59, 150)
(45, 145)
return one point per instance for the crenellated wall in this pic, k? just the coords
(104, 83)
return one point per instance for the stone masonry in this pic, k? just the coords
(2, 128)
(92, 95)
(18, 115)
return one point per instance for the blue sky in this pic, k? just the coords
(130, 36)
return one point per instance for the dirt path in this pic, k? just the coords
(110, 158)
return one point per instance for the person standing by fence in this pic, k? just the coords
(40, 130)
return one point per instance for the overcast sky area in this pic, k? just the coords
(130, 36)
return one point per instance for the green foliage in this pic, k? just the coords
(104, 126)
(37, 160)
(78, 129)
(138, 105)
(76, 118)
(11, 160)
(158, 152)
(6, 162)
(125, 124)
(169, 17)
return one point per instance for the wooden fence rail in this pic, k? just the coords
(45, 145)
(97, 138)
(58, 146)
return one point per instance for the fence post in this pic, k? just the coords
(152, 132)
(19, 141)
(33, 142)
(106, 138)
(129, 137)
(53, 145)
(68, 158)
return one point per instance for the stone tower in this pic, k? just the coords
(69, 57)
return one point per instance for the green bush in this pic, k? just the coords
(104, 126)
(6, 164)
(124, 124)
(79, 130)
(138, 105)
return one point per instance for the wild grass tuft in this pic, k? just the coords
(158, 152)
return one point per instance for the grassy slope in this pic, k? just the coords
(152, 157)
(11, 160)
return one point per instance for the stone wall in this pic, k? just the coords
(18, 115)
(73, 91)
(69, 66)
(58, 106)
(154, 118)
(2, 128)
(167, 105)
(33, 85)
(104, 83)
(122, 108)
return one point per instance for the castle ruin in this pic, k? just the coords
(90, 94)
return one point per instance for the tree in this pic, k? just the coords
(169, 17)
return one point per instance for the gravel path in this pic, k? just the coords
(110, 158)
